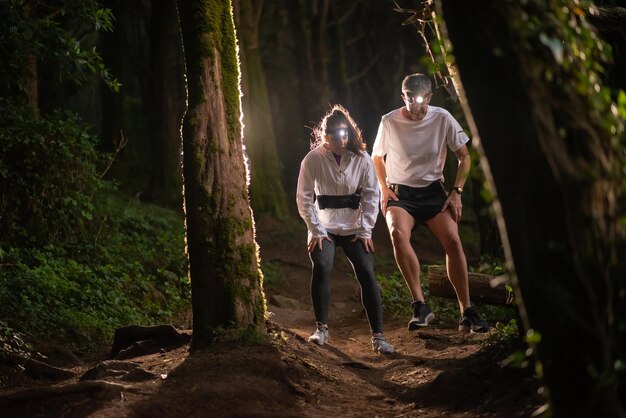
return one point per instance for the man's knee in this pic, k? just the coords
(452, 243)
(399, 236)
(400, 224)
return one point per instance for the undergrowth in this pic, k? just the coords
(77, 258)
(132, 272)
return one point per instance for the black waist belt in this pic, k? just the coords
(337, 202)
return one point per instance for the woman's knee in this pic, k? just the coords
(322, 260)
(367, 279)
(322, 268)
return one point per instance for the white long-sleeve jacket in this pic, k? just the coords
(321, 175)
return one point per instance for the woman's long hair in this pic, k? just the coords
(336, 115)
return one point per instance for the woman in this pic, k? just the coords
(338, 199)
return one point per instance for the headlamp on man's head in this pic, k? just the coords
(416, 98)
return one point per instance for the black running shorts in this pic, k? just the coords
(423, 203)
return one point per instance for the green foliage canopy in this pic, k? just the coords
(51, 33)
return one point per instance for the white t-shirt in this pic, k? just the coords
(416, 150)
(321, 175)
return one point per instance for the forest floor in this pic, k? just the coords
(437, 372)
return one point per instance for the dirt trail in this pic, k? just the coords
(438, 372)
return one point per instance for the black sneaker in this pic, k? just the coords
(422, 315)
(470, 321)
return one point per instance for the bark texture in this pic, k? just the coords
(225, 278)
(555, 173)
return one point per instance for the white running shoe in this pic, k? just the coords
(382, 346)
(321, 334)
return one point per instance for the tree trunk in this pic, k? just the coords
(165, 105)
(278, 53)
(552, 164)
(226, 282)
(266, 189)
(125, 111)
(32, 83)
(308, 21)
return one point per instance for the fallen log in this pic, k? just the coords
(154, 338)
(483, 288)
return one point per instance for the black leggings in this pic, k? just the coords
(363, 265)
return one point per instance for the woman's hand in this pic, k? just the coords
(317, 242)
(367, 243)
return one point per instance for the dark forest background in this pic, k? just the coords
(297, 59)
(91, 106)
(310, 54)
(92, 98)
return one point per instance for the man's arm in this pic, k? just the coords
(381, 174)
(463, 168)
(462, 172)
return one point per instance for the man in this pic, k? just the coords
(409, 156)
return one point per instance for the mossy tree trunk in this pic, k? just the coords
(556, 170)
(266, 189)
(226, 281)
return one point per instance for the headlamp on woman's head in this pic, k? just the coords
(338, 133)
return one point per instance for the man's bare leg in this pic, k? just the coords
(400, 224)
(447, 232)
